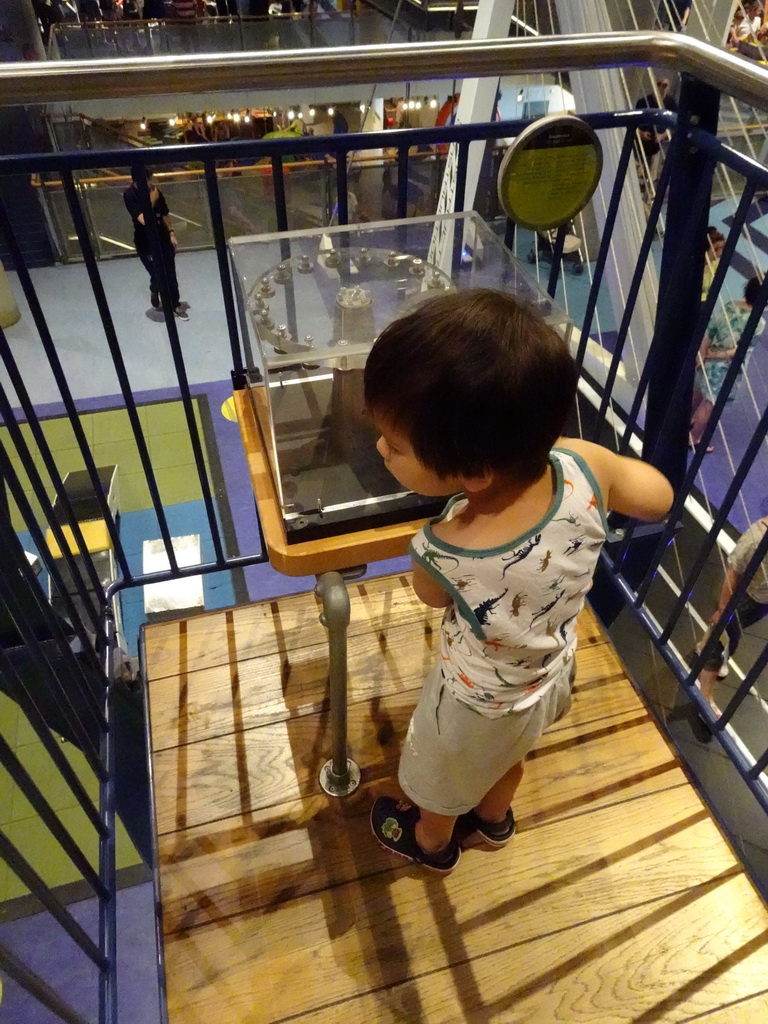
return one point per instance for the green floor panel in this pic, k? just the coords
(7, 788)
(134, 492)
(110, 437)
(165, 417)
(123, 454)
(9, 720)
(172, 451)
(179, 486)
(112, 425)
(111, 441)
(59, 434)
(25, 733)
(35, 758)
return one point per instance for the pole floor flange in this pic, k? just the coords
(339, 785)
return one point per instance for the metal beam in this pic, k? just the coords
(52, 81)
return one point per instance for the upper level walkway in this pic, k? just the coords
(311, 28)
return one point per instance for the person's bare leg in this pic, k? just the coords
(698, 398)
(495, 804)
(700, 420)
(707, 679)
(434, 831)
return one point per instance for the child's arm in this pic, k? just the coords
(630, 486)
(428, 589)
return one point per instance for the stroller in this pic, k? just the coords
(572, 256)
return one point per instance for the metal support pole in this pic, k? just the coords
(340, 776)
(673, 347)
(682, 267)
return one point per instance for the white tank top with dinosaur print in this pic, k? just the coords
(511, 626)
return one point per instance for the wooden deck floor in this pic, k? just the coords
(617, 901)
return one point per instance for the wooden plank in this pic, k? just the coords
(260, 859)
(552, 879)
(617, 901)
(268, 627)
(660, 964)
(273, 688)
(238, 772)
(227, 698)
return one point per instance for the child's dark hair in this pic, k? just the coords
(476, 381)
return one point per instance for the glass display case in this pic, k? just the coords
(311, 305)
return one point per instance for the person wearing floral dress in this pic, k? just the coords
(717, 350)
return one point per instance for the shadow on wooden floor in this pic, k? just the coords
(617, 901)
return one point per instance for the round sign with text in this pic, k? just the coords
(550, 172)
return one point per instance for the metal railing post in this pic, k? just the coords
(340, 776)
(682, 268)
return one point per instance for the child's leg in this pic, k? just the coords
(495, 804)
(434, 831)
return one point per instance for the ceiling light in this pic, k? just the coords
(330, 111)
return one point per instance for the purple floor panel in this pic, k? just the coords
(43, 946)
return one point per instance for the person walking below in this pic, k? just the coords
(752, 607)
(166, 237)
(715, 354)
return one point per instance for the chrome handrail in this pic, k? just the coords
(54, 81)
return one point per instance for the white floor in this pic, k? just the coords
(68, 303)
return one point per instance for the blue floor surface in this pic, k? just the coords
(45, 948)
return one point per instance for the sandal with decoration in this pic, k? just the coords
(393, 823)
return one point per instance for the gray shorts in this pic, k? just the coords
(452, 756)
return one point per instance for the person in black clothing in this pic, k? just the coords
(649, 136)
(674, 14)
(90, 10)
(166, 237)
(47, 14)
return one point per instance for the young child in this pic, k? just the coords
(470, 393)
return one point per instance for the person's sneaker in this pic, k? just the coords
(154, 298)
(493, 833)
(181, 314)
(393, 822)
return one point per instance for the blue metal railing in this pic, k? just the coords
(656, 417)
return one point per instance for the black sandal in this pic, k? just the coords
(494, 833)
(393, 822)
